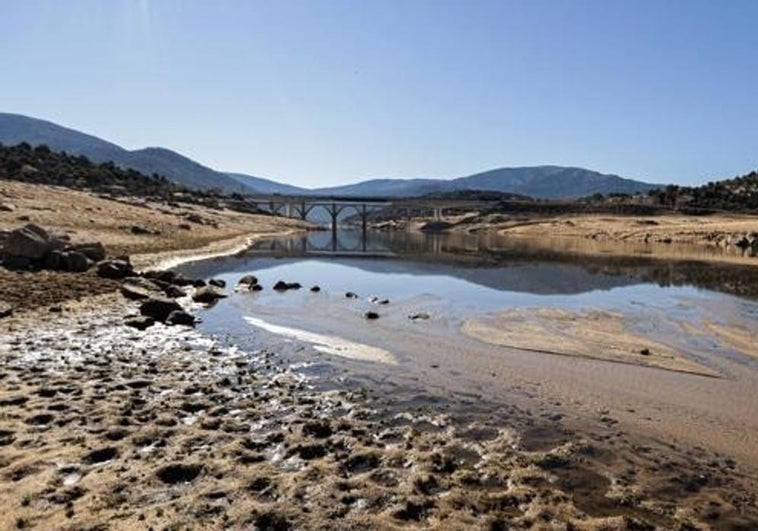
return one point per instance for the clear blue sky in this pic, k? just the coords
(326, 92)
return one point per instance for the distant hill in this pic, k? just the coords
(15, 128)
(543, 182)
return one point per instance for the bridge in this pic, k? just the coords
(301, 206)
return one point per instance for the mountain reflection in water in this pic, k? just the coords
(503, 263)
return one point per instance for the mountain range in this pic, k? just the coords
(546, 182)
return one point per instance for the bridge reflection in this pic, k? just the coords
(342, 242)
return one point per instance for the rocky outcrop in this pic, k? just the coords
(115, 269)
(32, 247)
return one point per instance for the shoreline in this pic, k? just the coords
(107, 425)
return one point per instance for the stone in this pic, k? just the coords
(219, 283)
(30, 241)
(17, 263)
(351, 295)
(419, 316)
(137, 229)
(75, 262)
(140, 323)
(137, 288)
(207, 295)
(180, 317)
(175, 292)
(315, 289)
(247, 280)
(7, 207)
(54, 260)
(256, 287)
(92, 250)
(159, 308)
(280, 286)
(742, 242)
(115, 269)
(371, 315)
(199, 283)
(5, 309)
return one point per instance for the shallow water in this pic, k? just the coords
(452, 279)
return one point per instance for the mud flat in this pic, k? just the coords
(104, 426)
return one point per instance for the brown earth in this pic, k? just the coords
(171, 232)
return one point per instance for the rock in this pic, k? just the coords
(137, 229)
(174, 292)
(371, 315)
(207, 294)
(645, 351)
(140, 323)
(194, 218)
(199, 283)
(7, 207)
(315, 289)
(248, 279)
(92, 250)
(31, 242)
(5, 309)
(351, 295)
(137, 288)
(219, 283)
(159, 308)
(294, 285)
(420, 315)
(280, 286)
(54, 260)
(115, 269)
(75, 262)
(17, 263)
(256, 287)
(180, 317)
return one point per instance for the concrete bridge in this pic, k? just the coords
(301, 206)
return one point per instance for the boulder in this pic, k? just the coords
(54, 260)
(75, 262)
(199, 283)
(17, 263)
(175, 292)
(219, 283)
(92, 250)
(207, 295)
(115, 269)
(180, 317)
(31, 242)
(137, 288)
(140, 323)
(159, 308)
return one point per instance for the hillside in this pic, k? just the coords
(15, 129)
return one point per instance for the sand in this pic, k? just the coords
(593, 334)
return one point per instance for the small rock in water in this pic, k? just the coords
(207, 294)
(219, 283)
(421, 315)
(351, 295)
(315, 289)
(371, 315)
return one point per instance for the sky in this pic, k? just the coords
(328, 92)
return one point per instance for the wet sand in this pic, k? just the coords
(105, 426)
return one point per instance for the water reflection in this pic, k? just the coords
(504, 263)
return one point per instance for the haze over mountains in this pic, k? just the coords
(546, 182)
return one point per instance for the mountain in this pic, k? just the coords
(545, 182)
(267, 186)
(15, 128)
